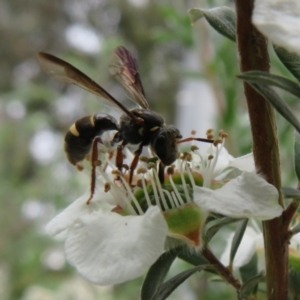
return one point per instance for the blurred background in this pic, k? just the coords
(189, 77)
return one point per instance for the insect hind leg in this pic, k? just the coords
(95, 162)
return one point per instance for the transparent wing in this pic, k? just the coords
(65, 72)
(124, 68)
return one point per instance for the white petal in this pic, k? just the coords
(78, 208)
(247, 196)
(280, 21)
(243, 163)
(107, 248)
(223, 161)
(245, 251)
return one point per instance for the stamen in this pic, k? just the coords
(187, 167)
(176, 191)
(184, 185)
(176, 202)
(160, 191)
(155, 192)
(118, 194)
(146, 191)
(170, 198)
(128, 190)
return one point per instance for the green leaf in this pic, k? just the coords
(290, 192)
(250, 269)
(222, 19)
(297, 154)
(169, 286)
(261, 78)
(290, 60)
(212, 227)
(278, 103)
(157, 273)
(249, 285)
(192, 257)
(237, 238)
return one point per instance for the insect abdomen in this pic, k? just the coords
(81, 134)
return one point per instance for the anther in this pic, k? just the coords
(224, 135)
(116, 172)
(97, 163)
(209, 131)
(151, 165)
(106, 187)
(217, 142)
(79, 167)
(210, 136)
(143, 158)
(125, 166)
(194, 148)
(141, 170)
(170, 170)
(88, 157)
(193, 132)
(210, 157)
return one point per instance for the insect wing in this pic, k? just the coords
(65, 72)
(123, 67)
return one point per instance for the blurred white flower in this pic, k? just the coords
(279, 21)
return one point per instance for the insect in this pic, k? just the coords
(139, 126)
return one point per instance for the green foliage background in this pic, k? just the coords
(160, 34)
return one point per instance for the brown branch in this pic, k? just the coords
(253, 53)
(223, 271)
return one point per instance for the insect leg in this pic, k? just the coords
(94, 162)
(135, 160)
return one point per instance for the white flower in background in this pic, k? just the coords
(251, 242)
(280, 21)
(123, 231)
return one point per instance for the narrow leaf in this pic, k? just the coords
(290, 60)
(157, 273)
(271, 79)
(297, 154)
(237, 238)
(278, 103)
(212, 227)
(193, 257)
(249, 285)
(222, 19)
(290, 192)
(250, 269)
(169, 286)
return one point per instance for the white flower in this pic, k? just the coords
(250, 243)
(122, 232)
(280, 21)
